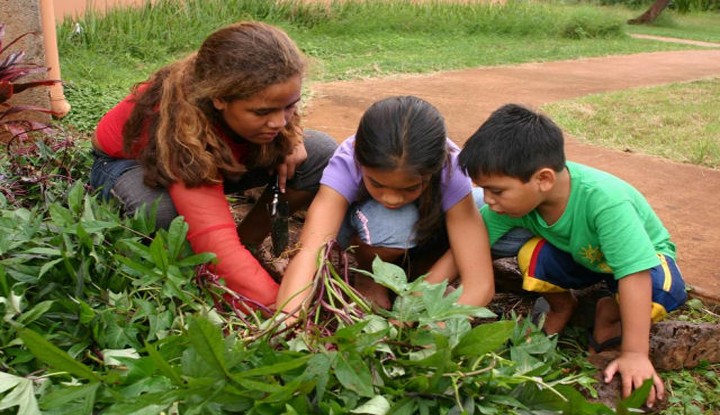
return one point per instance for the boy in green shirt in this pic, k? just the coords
(589, 227)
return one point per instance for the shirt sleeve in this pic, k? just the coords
(455, 183)
(342, 173)
(498, 225)
(212, 229)
(110, 128)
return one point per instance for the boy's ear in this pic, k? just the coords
(545, 178)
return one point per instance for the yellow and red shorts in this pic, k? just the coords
(547, 269)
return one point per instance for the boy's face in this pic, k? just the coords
(507, 195)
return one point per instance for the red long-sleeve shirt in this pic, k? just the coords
(207, 213)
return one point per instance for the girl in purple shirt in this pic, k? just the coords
(395, 190)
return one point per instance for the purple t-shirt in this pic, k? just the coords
(343, 175)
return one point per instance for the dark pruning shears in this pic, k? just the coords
(279, 213)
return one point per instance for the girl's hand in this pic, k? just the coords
(634, 368)
(286, 170)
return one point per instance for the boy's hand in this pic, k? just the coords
(634, 368)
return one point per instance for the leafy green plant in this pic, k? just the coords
(138, 337)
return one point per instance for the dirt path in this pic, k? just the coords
(687, 198)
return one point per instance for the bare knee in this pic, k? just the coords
(607, 311)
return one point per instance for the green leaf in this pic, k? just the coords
(139, 269)
(286, 392)
(60, 216)
(159, 254)
(318, 369)
(276, 368)
(538, 398)
(22, 395)
(577, 404)
(50, 354)
(137, 248)
(147, 404)
(388, 275)
(176, 237)
(163, 365)
(75, 197)
(485, 338)
(255, 385)
(378, 405)
(207, 341)
(87, 313)
(68, 394)
(118, 331)
(198, 259)
(636, 399)
(97, 226)
(37, 311)
(51, 252)
(353, 373)
(48, 266)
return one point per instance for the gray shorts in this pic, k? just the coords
(379, 226)
(123, 179)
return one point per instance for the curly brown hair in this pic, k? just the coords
(174, 110)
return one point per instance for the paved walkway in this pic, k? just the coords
(687, 198)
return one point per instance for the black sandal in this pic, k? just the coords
(607, 344)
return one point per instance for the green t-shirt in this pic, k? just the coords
(607, 226)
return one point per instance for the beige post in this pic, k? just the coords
(58, 103)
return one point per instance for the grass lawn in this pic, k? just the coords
(102, 57)
(696, 26)
(680, 122)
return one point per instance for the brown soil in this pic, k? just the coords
(684, 196)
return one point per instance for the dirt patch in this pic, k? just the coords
(684, 196)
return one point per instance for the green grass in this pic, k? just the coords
(347, 40)
(678, 122)
(696, 26)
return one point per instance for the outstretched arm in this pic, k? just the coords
(634, 364)
(212, 229)
(469, 254)
(322, 224)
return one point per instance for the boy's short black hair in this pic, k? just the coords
(514, 141)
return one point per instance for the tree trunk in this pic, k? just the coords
(651, 14)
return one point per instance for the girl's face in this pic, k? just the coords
(393, 188)
(261, 117)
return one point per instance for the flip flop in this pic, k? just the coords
(539, 310)
(607, 344)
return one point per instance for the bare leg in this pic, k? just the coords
(607, 321)
(365, 254)
(562, 307)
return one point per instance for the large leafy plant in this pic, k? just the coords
(100, 317)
